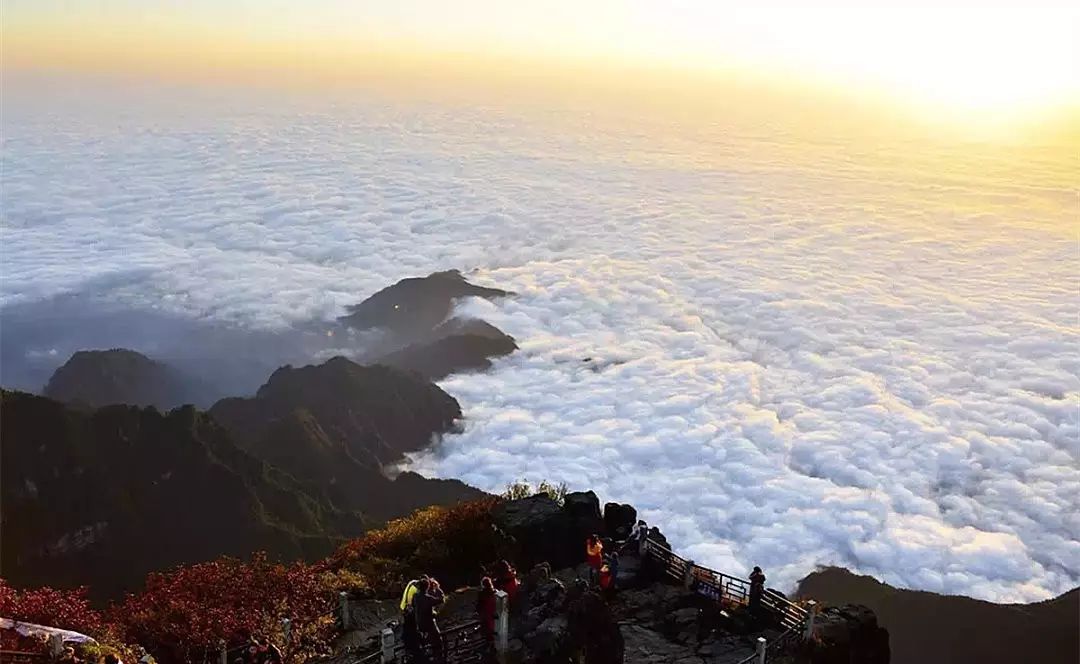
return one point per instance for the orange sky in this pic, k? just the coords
(994, 63)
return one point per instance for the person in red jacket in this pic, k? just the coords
(607, 579)
(506, 580)
(485, 607)
(594, 555)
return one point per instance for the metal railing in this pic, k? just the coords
(727, 590)
(22, 656)
(464, 643)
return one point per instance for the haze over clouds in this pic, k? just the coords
(789, 351)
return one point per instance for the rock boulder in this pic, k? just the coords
(583, 509)
(542, 529)
(618, 520)
(848, 633)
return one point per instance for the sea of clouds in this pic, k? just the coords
(786, 351)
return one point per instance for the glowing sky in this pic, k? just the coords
(951, 55)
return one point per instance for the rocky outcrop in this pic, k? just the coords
(619, 520)
(563, 618)
(645, 646)
(846, 634)
(690, 621)
(95, 378)
(541, 528)
(583, 510)
(593, 629)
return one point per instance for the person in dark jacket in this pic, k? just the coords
(428, 599)
(612, 561)
(273, 654)
(757, 589)
(486, 607)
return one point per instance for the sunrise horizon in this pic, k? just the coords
(595, 331)
(968, 82)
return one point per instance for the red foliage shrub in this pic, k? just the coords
(66, 609)
(187, 612)
(448, 542)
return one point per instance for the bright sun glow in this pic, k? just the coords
(951, 57)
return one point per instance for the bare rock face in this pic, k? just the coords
(95, 378)
(583, 508)
(594, 632)
(645, 646)
(619, 519)
(848, 633)
(541, 528)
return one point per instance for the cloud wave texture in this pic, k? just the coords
(800, 351)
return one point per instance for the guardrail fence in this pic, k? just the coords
(731, 592)
(466, 644)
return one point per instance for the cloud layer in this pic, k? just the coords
(789, 351)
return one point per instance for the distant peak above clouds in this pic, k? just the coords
(416, 305)
(97, 378)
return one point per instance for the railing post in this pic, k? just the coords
(811, 610)
(688, 575)
(387, 641)
(761, 650)
(643, 540)
(223, 658)
(56, 645)
(343, 600)
(502, 624)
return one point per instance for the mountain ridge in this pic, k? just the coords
(930, 628)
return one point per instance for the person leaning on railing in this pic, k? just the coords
(757, 589)
(428, 598)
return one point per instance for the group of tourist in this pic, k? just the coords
(423, 597)
(503, 577)
(603, 565)
(419, 605)
(68, 656)
(260, 651)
